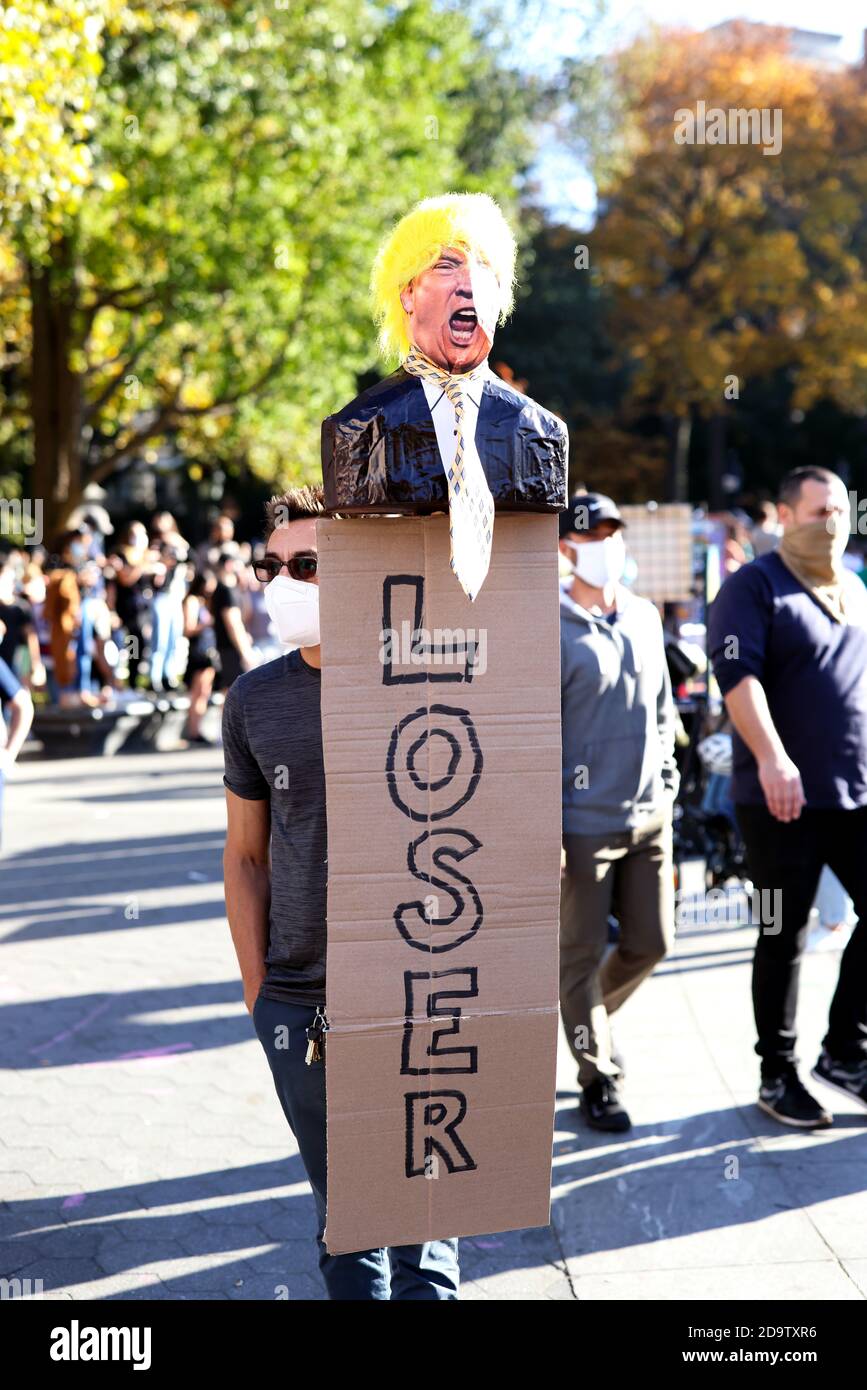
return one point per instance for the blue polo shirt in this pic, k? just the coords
(764, 623)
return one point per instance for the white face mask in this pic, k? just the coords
(600, 562)
(293, 607)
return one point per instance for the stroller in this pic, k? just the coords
(704, 822)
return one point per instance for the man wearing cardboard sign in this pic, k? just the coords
(275, 877)
(442, 771)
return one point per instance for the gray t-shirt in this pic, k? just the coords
(272, 742)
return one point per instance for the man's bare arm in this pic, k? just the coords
(747, 705)
(37, 670)
(20, 720)
(239, 636)
(247, 875)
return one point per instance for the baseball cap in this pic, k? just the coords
(586, 509)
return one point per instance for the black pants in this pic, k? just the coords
(787, 859)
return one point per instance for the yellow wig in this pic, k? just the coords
(472, 221)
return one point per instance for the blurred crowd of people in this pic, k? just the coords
(107, 616)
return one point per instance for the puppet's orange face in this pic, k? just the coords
(453, 308)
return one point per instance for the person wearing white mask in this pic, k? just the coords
(276, 875)
(619, 783)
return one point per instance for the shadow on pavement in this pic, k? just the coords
(654, 1185)
(82, 1237)
(101, 1028)
(46, 894)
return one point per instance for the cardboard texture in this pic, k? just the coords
(442, 765)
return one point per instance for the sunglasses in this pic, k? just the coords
(301, 567)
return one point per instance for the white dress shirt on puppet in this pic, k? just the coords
(443, 415)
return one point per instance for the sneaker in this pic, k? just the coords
(784, 1097)
(849, 1078)
(601, 1108)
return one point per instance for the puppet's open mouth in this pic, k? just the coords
(462, 325)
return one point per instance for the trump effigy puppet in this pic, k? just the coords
(443, 433)
(442, 767)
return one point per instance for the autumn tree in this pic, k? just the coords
(726, 264)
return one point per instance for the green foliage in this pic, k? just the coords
(50, 63)
(242, 163)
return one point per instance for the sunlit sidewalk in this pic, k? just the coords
(144, 1154)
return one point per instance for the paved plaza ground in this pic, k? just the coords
(143, 1153)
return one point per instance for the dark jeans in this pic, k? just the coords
(426, 1272)
(789, 857)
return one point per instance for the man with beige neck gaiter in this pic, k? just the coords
(787, 635)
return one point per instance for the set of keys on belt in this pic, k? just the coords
(316, 1037)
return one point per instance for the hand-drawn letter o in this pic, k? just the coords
(420, 781)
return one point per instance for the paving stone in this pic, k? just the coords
(688, 1219)
(807, 1281)
(140, 1255)
(292, 1289)
(175, 1177)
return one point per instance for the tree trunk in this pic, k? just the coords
(678, 473)
(717, 494)
(55, 391)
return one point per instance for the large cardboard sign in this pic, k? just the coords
(441, 730)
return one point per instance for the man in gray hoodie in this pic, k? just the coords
(619, 784)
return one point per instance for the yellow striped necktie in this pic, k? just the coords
(471, 506)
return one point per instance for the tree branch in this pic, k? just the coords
(172, 413)
(94, 407)
(111, 299)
